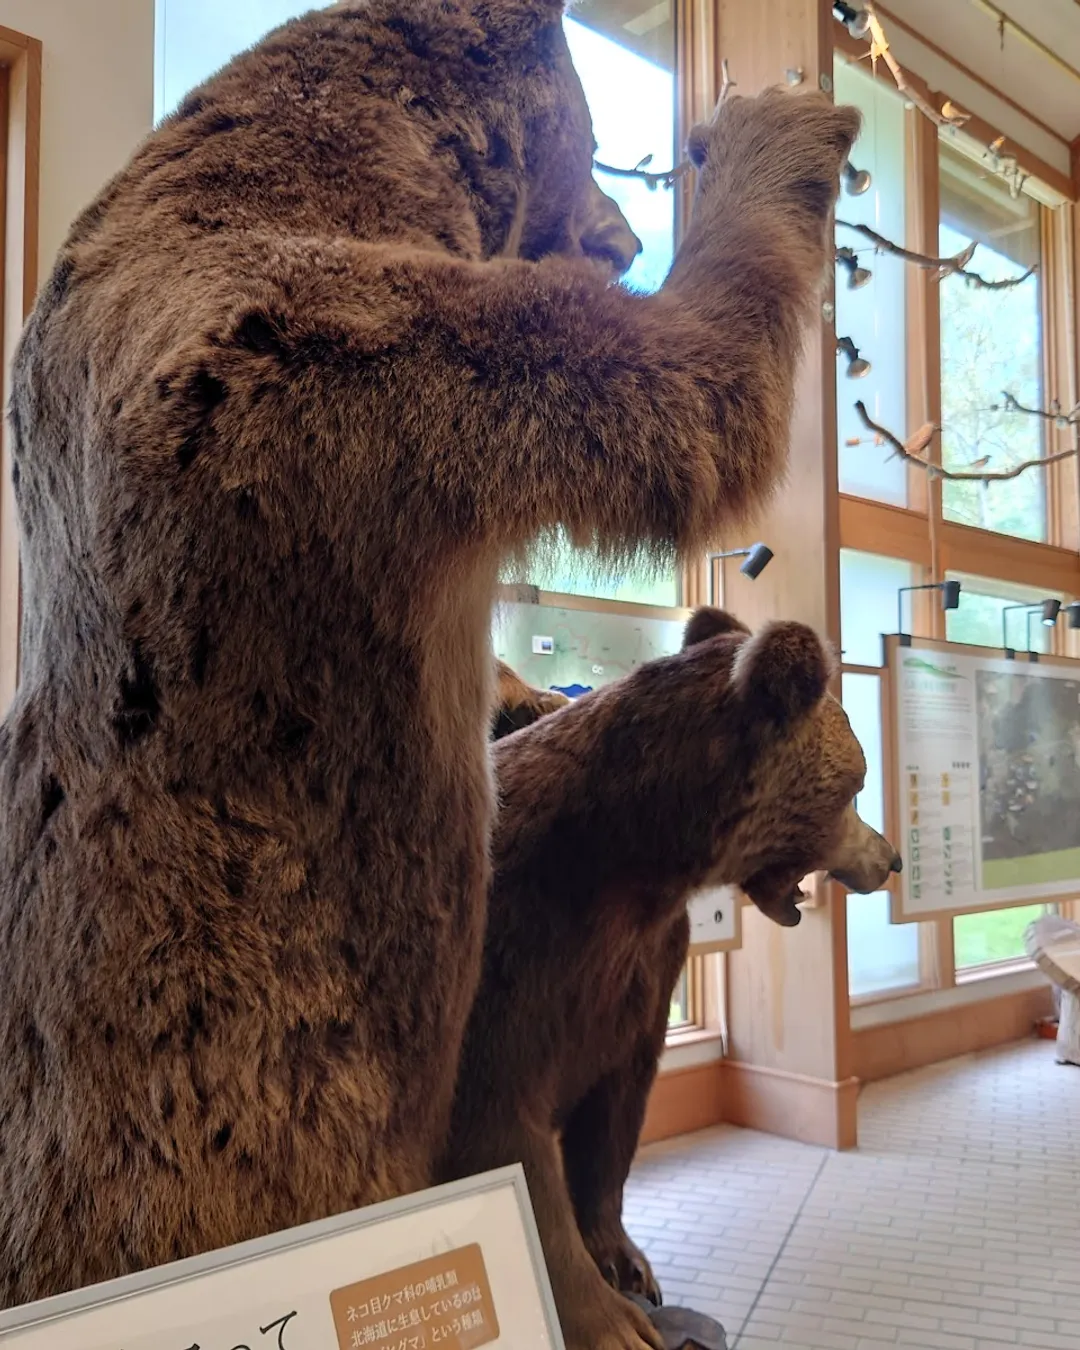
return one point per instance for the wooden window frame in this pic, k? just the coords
(20, 162)
(919, 533)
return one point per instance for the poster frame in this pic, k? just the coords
(891, 646)
(16, 1323)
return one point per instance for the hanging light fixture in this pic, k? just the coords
(856, 181)
(849, 260)
(858, 366)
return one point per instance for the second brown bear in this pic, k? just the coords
(729, 763)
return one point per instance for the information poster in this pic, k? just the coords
(454, 1268)
(987, 763)
(577, 650)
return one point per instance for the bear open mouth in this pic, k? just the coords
(778, 901)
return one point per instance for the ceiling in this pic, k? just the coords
(1031, 68)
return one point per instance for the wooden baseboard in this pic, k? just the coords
(811, 1110)
(685, 1100)
(881, 1052)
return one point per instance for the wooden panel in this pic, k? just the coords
(1059, 325)
(21, 134)
(881, 1052)
(812, 1110)
(787, 997)
(685, 1100)
(982, 553)
(591, 604)
(873, 527)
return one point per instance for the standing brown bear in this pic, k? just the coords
(337, 340)
(727, 764)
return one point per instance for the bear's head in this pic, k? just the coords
(492, 83)
(780, 753)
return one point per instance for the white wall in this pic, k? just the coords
(97, 98)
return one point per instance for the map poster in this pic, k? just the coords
(575, 650)
(986, 779)
(453, 1268)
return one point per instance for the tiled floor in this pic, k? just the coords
(954, 1226)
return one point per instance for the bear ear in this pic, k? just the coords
(707, 622)
(783, 671)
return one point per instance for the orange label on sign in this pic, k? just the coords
(441, 1301)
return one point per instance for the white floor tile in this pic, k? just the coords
(954, 1226)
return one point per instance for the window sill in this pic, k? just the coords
(679, 1036)
(992, 969)
(887, 995)
(987, 985)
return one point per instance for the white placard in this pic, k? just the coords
(715, 918)
(452, 1268)
(987, 780)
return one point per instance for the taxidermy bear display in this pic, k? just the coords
(729, 763)
(518, 704)
(339, 340)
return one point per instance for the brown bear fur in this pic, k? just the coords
(729, 763)
(334, 344)
(518, 704)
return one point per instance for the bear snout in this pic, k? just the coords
(863, 860)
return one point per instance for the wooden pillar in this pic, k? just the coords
(790, 1050)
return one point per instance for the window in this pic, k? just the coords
(881, 955)
(626, 60)
(195, 38)
(869, 586)
(680, 1015)
(873, 314)
(991, 344)
(980, 617)
(994, 936)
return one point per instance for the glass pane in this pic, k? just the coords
(881, 955)
(625, 55)
(861, 696)
(873, 314)
(991, 343)
(997, 935)
(978, 620)
(195, 38)
(679, 1013)
(868, 592)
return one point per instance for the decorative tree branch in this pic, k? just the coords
(879, 48)
(1052, 414)
(914, 448)
(669, 178)
(865, 25)
(640, 170)
(945, 267)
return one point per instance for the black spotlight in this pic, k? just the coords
(758, 557)
(950, 599)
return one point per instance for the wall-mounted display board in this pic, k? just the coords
(576, 643)
(984, 789)
(716, 920)
(456, 1267)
